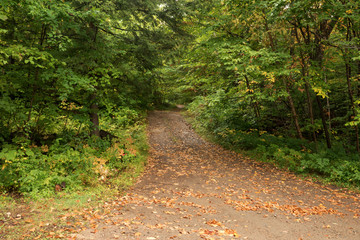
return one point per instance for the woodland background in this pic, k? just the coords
(279, 79)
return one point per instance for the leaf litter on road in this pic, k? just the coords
(192, 189)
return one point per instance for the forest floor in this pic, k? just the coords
(193, 189)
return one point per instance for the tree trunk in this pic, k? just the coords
(311, 111)
(307, 88)
(94, 117)
(36, 74)
(328, 109)
(316, 55)
(358, 74)
(352, 104)
(293, 110)
(323, 120)
(348, 80)
(94, 108)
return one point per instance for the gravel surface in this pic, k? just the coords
(193, 189)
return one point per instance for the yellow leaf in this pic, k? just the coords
(28, 220)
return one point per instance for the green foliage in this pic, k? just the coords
(30, 171)
(71, 160)
(218, 112)
(331, 165)
(120, 116)
(72, 70)
(229, 126)
(260, 73)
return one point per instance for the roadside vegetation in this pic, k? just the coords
(212, 117)
(76, 81)
(56, 189)
(279, 79)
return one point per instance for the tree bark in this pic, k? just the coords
(311, 111)
(323, 120)
(94, 117)
(352, 104)
(307, 88)
(94, 107)
(316, 55)
(293, 110)
(350, 91)
(37, 73)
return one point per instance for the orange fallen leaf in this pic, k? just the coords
(213, 223)
(231, 232)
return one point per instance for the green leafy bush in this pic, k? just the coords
(221, 117)
(71, 160)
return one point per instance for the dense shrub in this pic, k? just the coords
(71, 161)
(218, 115)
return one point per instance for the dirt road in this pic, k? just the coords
(196, 190)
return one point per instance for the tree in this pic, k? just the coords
(94, 54)
(282, 59)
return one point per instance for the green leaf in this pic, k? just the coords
(3, 17)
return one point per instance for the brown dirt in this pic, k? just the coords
(196, 190)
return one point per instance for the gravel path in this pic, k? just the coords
(195, 190)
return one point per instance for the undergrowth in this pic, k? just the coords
(72, 161)
(216, 116)
(70, 173)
